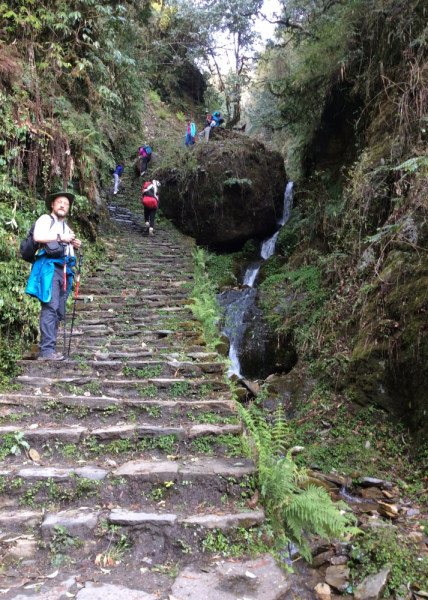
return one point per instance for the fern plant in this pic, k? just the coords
(205, 306)
(296, 508)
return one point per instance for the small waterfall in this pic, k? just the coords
(268, 247)
(237, 302)
(288, 201)
(251, 273)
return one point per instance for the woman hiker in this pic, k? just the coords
(144, 157)
(190, 133)
(117, 176)
(151, 203)
(46, 281)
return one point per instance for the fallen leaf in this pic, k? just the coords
(188, 577)
(260, 564)
(254, 500)
(34, 455)
(33, 585)
(52, 575)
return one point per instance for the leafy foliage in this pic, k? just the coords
(294, 506)
(387, 548)
(205, 308)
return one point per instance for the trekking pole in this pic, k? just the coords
(75, 300)
(65, 296)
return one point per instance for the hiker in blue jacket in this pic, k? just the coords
(117, 176)
(46, 281)
(218, 119)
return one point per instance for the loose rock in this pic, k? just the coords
(105, 591)
(323, 591)
(337, 576)
(373, 586)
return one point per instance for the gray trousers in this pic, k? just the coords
(116, 182)
(205, 132)
(52, 313)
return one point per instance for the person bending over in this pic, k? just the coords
(144, 157)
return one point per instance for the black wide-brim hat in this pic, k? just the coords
(71, 198)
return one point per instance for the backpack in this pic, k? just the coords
(149, 198)
(147, 149)
(29, 247)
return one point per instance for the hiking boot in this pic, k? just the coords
(147, 223)
(51, 356)
(151, 231)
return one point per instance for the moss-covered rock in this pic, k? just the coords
(263, 351)
(389, 363)
(225, 191)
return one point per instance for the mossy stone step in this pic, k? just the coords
(179, 388)
(191, 481)
(114, 368)
(167, 408)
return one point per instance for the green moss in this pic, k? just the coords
(288, 238)
(219, 268)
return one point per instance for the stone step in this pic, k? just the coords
(153, 529)
(84, 522)
(75, 434)
(142, 369)
(152, 387)
(167, 408)
(191, 481)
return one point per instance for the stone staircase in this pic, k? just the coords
(135, 441)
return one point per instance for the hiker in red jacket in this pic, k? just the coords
(151, 203)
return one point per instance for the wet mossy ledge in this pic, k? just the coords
(224, 192)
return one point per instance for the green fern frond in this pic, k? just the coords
(295, 512)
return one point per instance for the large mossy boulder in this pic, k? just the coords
(225, 191)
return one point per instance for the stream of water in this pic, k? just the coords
(237, 302)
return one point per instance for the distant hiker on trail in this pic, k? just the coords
(190, 133)
(46, 280)
(218, 119)
(144, 157)
(117, 176)
(207, 128)
(151, 203)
